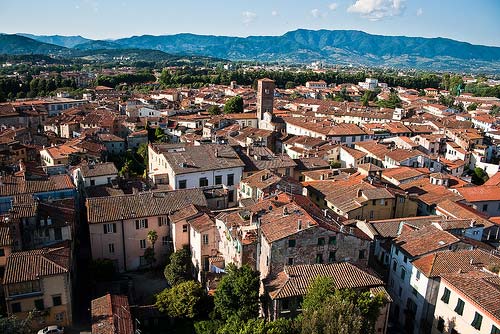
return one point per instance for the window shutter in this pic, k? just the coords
(145, 223)
(105, 229)
(114, 227)
(159, 221)
(137, 224)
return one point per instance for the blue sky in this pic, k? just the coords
(474, 21)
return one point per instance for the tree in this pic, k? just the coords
(329, 310)
(472, 106)
(214, 110)
(495, 110)
(184, 300)
(290, 85)
(392, 102)
(13, 325)
(159, 134)
(238, 293)
(479, 176)
(179, 268)
(234, 105)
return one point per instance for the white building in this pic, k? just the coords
(86, 175)
(183, 167)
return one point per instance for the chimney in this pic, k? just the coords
(299, 224)
(216, 152)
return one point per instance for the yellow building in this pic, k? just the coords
(39, 280)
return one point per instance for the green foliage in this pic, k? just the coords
(327, 310)
(125, 78)
(495, 110)
(319, 291)
(208, 326)
(479, 176)
(290, 85)
(452, 83)
(179, 269)
(102, 270)
(13, 325)
(182, 300)
(369, 95)
(149, 255)
(234, 325)
(238, 293)
(392, 102)
(448, 101)
(159, 135)
(234, 105)
(472, 106)
(214, 110)
(482, 89)
(342, 96)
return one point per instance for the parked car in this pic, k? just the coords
(52, 330)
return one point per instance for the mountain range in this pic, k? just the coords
(342, 47)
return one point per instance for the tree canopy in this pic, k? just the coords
(238, 293)
(179, 268)
(182, 300)
(234, 105)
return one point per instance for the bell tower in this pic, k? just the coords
(265, 99)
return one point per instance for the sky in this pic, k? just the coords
(475, 21)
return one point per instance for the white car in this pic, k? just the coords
(51, 330)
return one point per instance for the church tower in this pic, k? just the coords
(265, 100)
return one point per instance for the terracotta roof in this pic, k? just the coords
(429, 193)
(36, 264)
(432, 265)
(105, 209)
(5, 235)
(194, 159)
(389, 228)
(15, 185)
(425, 240)
(295, 280)
(480, 193)
(261, 179)
(401, 173)
(460, 210)
(482, 289)
(111, 315)
(101, 169)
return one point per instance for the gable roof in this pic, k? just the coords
(425, 240)
(34, 264)
(106, 209)
(295, 280)
(111, 314)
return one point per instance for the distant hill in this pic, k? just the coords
(343, 47)
(18, 45)
(65, 41)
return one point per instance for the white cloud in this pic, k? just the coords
(248, 17)
(375, 10)
(274, 13)
(420, 11)
(333, 6)
(316, 13)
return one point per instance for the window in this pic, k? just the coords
(396, 251)
(485, 207)
(418, 275)
(371, 214)
(39, 304)
(2, 252)
(382, 202)
(290, 261)
(182, 184)
(230, 179)
(321, 241)
(218, 179)
(361, 254)
(460, 307)
(203, 182)
(16, 307)
(162, 221)
(332, 240)
(56, 300)
(164, 240)
(400, 291)
(478, 319)
(319, 258)
(292, 242)
(285, 305)
(495, 330)
(230, 195)
(394, 265)
(185, 228)
(374, 202)
(142, 243)
(446, 296)
(109, 228)
(205, 239)
(331, 257)
(405, 259)
(403, 274)
(92, 182)
(440, 325)
(111, 248)
(141, 223)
